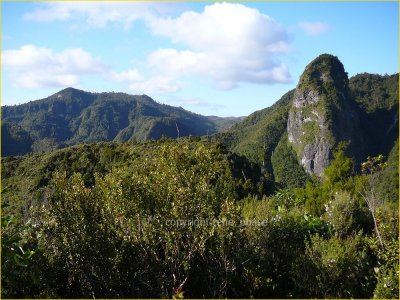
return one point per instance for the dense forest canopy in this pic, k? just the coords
(72, 116)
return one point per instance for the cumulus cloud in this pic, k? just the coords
(191, 102)
(314, 28)
(228, 43)
(34, 67)
(177, 62)
(128, 76)
(140, 85)
(225, 43)
(156, 85)
(31, 66)
(96, 14)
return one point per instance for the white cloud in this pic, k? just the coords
(34, 67)
(31, 66)
(200, 103)
(97, 14)
(225, 43)
(220, 25)
(314, 28)
(193, 102)
(177, 62)
(131, 75)
(228, 43)
(156, 85)
(140, 85)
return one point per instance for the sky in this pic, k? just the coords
(212, 58)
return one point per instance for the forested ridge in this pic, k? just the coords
(73, 116)
(237, 214)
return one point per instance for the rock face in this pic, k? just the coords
(322, 115)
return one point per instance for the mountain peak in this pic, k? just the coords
(324, 70)
(69, 92)
(326, 62)
(70, 89)
(322, 114)
(325, 58)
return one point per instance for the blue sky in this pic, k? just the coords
(213, 58)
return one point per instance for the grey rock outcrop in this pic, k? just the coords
(322, 115)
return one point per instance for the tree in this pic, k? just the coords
(334, 268)
(15, 258)
(339, 171)
(372, 168)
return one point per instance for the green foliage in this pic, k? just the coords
(287, 171)
(374, 92)
(257, 136)
(138, 233)
(187, 218)
(28, 175)
(347, 215)
(387, 286)
(378, 100)
(339, 171)
(373, 165)
(273, 248)
(317, 194)
(315, 197)
(72, 117)
(384, 216)
(325, 69)
(388, 180)
(15, 259)
(14, 139)
(285, 199)
(387, 263)
(224, 124)
(387, 215)
(335, 268)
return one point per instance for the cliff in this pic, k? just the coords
(323, 114)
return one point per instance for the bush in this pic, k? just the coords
(347, 216)
(16, 257)
(335, 268)
(138, 231)
(386, 269)
(274, 247)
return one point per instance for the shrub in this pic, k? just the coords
(335, 268)
(347, 216)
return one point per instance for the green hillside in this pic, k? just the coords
(71, 117)
(378, 100)
(259, 133)
(368, 119)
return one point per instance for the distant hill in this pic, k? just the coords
(72, 116)
(224, 123)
